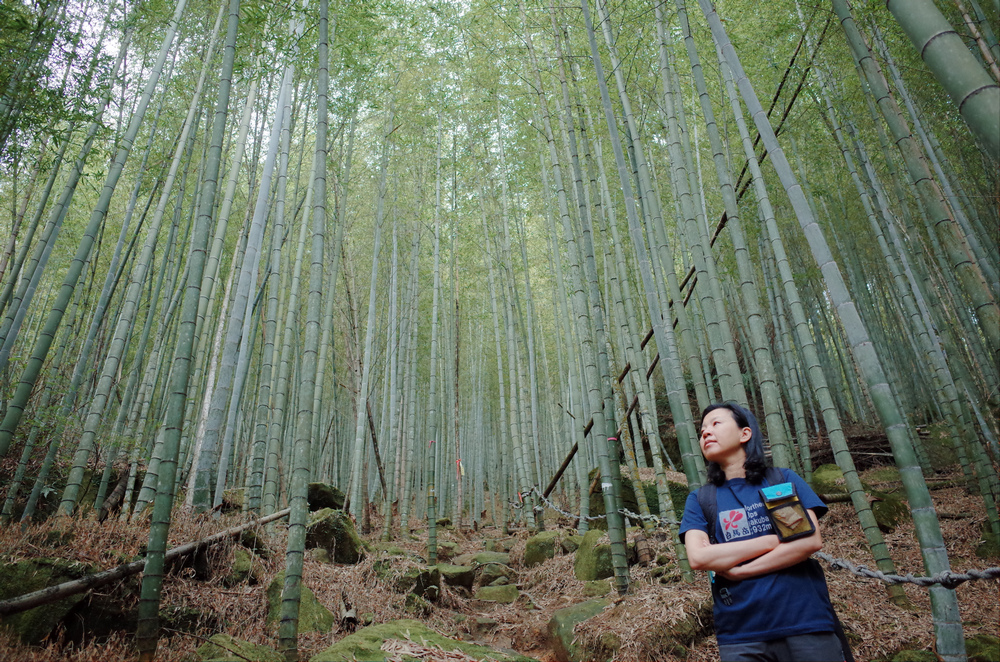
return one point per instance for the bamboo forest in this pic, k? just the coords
(383, 330)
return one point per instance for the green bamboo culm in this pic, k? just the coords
(147, 632)
(302, 452)
(959, 72)
(952, 239)
(944, 603)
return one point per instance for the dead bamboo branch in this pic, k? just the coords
(98, 579)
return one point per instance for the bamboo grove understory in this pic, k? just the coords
(438, 253)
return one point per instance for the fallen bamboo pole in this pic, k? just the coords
(98, 579)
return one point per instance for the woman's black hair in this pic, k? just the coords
(755, 464)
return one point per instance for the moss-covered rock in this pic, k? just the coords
(319, 555)
(482, 625)
(334, 531)
(415, 605)
(457, 575)
(489, 573)
(593, 559)
(570, 544)
(983, 648)
(828, 479)
(232, 501)
(323, 495)
(482, 558)
(20, 577)
(443, 522)
(562, 624)
(313, 616)
(390, 549)
(499, 545)
(502, 594)
(224, 648)
(939, 446)
(365, 645)
(188, 619)
(424, 582)
(540, 548)
(446, 550)
(597, 588)
(887, 474)
(889, 510)
(989, 545)
(245, 568)
(254, 541)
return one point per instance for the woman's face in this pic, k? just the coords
(721, 436)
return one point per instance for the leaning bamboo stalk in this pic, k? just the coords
(52, 593)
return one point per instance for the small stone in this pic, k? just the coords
(500, 581)
(889, 510)
(502, 594)
(19, 577)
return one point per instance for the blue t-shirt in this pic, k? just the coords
(778, 604)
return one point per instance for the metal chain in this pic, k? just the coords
(658, 521)
(946, 579)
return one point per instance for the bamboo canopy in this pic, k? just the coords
(451, 256)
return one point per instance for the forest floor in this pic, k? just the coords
(638, 620)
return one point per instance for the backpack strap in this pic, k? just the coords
(774, 475)
(708, 500)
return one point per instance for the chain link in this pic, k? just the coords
(946, 579)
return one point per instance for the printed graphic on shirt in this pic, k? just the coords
(734, 523)
(743, 522)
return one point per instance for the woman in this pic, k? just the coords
(771, 601)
